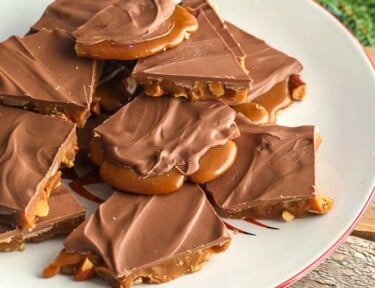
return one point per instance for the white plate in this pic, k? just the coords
(341, 101)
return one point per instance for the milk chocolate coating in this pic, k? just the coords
(203, 57)
(31, 148)
(267, 66)
(43, 69)
(217, 23)
(127, 22)
(66, 213)
(153, 135)
(274, 164)
(69, 14)
(132, 232)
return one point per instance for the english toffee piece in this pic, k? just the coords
(32, 147)
(41, 72)
(66, 213)
(151, 137)
(151, 26)
(273, 173)
(201, 68)
(135, 238)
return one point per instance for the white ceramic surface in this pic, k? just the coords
(341, 101)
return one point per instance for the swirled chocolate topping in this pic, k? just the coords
(267, 66)
(31, 149)
(127, 22)
(203, 57)
(153, 135)
(275, 164)
(218, 24)
(66, 213)
(69, 14)
(132, 232)
(42, 72)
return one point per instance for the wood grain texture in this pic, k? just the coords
(351, 265)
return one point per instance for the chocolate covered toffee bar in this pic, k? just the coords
(151, 239)
(201, 68)
(276, 81)
(32, 147)
(273, 176)
(134, 29)
(151, 145)
(66, 213)
(41, 72)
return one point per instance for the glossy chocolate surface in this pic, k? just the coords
(31, 148)
(43, 69)
(133, 232)
(69, 14)
(217, 23)
(127, 22)
(267, 66)
(274, 164)
(203, 57)
(153, 135)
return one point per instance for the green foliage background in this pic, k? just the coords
(357, 15)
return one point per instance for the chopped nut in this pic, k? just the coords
(320, 204)
(287, 216)
(130, 85)
(216, 88)
(153, 90)
(297, 87)
(85, 271)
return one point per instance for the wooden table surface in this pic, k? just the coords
(353, 263)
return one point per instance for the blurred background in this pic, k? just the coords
(357, 15)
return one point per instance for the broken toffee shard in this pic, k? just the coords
(201, 68)
(151, 145)
(41, 72)
(273, 175)
(151, 239)
(66, 213)
(32, 148)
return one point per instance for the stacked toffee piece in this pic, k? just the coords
(189, 104)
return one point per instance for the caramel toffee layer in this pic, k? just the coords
(274, 171)
(202, 67)
(154, 135)
(42, 72)
(32, 146)
(148, 239)
(267, 66)
(66, 213)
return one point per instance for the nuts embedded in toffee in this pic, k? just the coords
(195, 234)
(284, 159)
(195, 70)
(170, 33)
(30, 162)
(41, 72)
(267, 66)
(65, 213)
